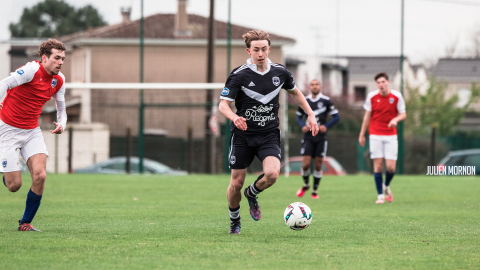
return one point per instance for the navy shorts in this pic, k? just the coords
(314, 147)
(244, 148)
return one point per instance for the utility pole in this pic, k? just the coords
(209, 136)
(229, 64)
(401, 155)
(141, 107)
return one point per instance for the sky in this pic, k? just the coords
(320, 27)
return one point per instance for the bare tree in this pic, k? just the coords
(451, 47)
(475, 40)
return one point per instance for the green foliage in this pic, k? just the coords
(434, 108)
(160, 222)
(55, 18)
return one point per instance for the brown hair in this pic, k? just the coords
(255, 35)
(47, 46)
(380, 75)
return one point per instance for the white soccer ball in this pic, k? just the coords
(298, 216)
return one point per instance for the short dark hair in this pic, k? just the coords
(380, 75)
(47, 46)
(256, 35)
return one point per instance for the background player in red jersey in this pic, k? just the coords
(384, 108)
(29, 88)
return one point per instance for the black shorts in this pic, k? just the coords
(244, 148)
(314, 147)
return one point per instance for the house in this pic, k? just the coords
(362, 70)
(460, 73)
(175, 52)
(330, 71)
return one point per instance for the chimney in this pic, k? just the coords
(181, 20)
(125, 14)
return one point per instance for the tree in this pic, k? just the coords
(435, 109)
(475, 50)
(55, 18)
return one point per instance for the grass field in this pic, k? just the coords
(151, 222)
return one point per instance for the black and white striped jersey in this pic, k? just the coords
(256, 95)
(321, 106)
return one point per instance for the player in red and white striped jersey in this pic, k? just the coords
(384, 108)
(27, 90)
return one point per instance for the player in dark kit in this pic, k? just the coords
(315, 147)
(255, 88)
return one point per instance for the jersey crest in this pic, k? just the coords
(54, 82)
(276, 81)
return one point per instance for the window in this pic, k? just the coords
(360, 93)
(114, 166)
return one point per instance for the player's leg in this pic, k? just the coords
(268, 151)
(271, 168)
(11, 143)
(234, 196)
(317, 176)
(239, 157)
(377, 154)
(37, 165)
(35, 153)
(13, 180)
(391, 153)
(307, 161)
(320, 153)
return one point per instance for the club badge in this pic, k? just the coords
(276, 81)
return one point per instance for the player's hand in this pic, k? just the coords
(305, 129)
(58, 129)
(240, 123)
(361, 140)
(312, 122)
(323, 129)
(392, 123)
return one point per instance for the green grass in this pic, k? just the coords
(151, 222)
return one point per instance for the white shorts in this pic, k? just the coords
(15, 141)
(383, 146)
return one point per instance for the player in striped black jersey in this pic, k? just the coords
(255, 88)
(315, 147)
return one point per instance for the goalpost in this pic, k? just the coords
(187, 86)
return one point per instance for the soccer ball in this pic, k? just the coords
(298, 216)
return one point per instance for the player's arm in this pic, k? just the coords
(402, 114)
(365, 124)
(302, 102)
(335, 118)
(22, 75)
(393, 123)
(61, 111)
(301, 122)
(6, 84)
(229, 93)
(224, 108)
